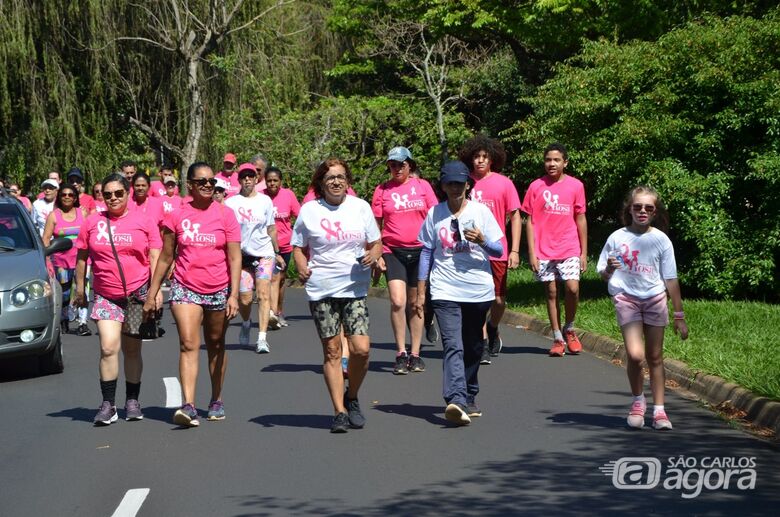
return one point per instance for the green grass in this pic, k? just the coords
(737, 341)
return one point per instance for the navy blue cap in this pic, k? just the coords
(75, 171)
(454, 172)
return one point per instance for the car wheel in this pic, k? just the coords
(51, 362)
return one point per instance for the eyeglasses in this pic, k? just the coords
(332, 179)
(247, 175)
(49, 187)
(637, 207)
(68, 194)
(13, 191)
(201, 182)
(455, 229)
(119, 194)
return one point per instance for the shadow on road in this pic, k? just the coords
(297, 420)
(294, 368)
(427, 413)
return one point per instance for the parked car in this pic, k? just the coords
(30, 296)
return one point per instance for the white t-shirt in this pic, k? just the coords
(648, 260)
(336, 236)
(460, 270)
(254, 214)
(40, 212)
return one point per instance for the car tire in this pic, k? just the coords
(51, 362)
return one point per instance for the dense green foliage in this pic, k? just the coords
(694, 114)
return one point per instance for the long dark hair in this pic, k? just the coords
(660, 217)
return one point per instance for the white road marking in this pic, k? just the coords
(131, 503)
(172, 392)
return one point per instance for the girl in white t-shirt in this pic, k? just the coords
(638, 262)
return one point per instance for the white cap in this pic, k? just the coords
(222, 184)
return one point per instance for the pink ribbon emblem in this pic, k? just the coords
(246, 214)
(331, 229)
(446, 238)
(102, 228)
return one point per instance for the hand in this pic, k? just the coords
(158, 301)
(232, 307)
(514, 259)
(613, 264)
(474, 235)
(418, 306)
(304, 273)
(79, 299)
(583, 262)
(150, 306)
(682, 328)
(280, 264)
(534, 263)
(376, 272)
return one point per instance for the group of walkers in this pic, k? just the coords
(443, 251)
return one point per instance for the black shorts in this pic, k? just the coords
(402, 264)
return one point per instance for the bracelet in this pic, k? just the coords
(513, 251)
(679, 315)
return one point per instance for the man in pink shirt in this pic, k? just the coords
(228, 173)
(158, 188)
(484, 156)
(76, 178)
(261, 164)
(557, 237)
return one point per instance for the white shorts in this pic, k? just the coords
(550, 270)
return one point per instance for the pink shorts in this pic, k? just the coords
(650, 311)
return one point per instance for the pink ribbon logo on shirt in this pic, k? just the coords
(550, 200)
(245, 213)
(331, 229)
(167, 207)
(400, 201)
(102, 228)
(446, 238)
(413, 192)
(191, 231)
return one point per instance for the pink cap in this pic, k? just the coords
(230, 158)
(246, 167)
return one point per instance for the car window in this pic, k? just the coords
(13, 232)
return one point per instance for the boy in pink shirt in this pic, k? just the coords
(557, 236)
(484, 156)
(228, 174)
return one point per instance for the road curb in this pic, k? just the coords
(760, 411)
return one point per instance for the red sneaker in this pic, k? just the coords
(558, 348)
(573, 342)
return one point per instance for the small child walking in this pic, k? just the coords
(638, 263)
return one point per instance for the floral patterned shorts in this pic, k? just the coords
(264, 270)
(115, 310)
(330, 313)
(210, 302)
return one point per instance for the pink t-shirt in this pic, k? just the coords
(286, 207)
(69, 229)
(157, 189)
(100, 206)
(260, 187)
(87, 202)
(26, 202)
(498, 193)
(235, 185)
(310, 195)
(201, 245)
(152, 207)
(402, 208)
(553, 206)
(133, 235)
(170, 204)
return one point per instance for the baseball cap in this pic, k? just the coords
(399, 154)
(454, 172)
(75, 171)
(170, 180)
(246, 169)
(224, 185)
(50, 183)
(229, 158)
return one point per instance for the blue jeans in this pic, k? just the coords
(460, 324)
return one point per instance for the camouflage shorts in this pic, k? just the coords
(330, 313)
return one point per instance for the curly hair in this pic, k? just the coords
(319, 173)
(480, 142)
(660, 218)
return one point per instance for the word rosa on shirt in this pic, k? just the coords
(191, 234)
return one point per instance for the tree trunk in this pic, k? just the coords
(192, 144)
(440, 128)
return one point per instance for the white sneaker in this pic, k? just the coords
(282, 321)
(243, 337)
(262, 347)
(273, 321)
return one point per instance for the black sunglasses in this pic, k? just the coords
(119, 194)
(637, 207)
(201, 182)
(455, 229)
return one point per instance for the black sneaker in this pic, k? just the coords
(83, 330)
(494, 340)
(401, 367)
(340, 423)
(65, 326)
(472, 410)
(457, 414)
(431, 333)
(416, 364)
(355, 416)
(485, 355)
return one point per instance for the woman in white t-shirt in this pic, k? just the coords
(459, 236)
(638, 262)
(343, 243)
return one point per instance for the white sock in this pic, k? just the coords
(657, 409)
(640, 398)
(557, 335)
(261, 336)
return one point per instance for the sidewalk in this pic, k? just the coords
(724, 396)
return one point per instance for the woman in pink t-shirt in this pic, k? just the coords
(117, 235)
(141, 201)
(205, 238)
(400, 206)
(65, 221)
(286, 207)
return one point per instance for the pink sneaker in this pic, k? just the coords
(636, 417)
(661, 421)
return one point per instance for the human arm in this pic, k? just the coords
(275, 242)
(582, 232)
(374, 253)
(163, 263)
(301, 264)
(234, 260)
(79, 296)
(48, 229)
(529, 237)
(516, 227)
(154, 256)
(423, 270)
(673, 288)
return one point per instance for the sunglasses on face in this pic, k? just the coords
(637, 207)
(201, 182)
(13, 191)
(455, 229)
(68, 194)
(119, 194)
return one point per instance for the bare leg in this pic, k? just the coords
(571, 299)
(552, 305)
(397, 289)
(134, 363)
(635, 355)
(263, 288)
(331, 369)
(654, 354)
(358, 363)
(415, 321)
(214, 327)
(189, 318)
(110, 344)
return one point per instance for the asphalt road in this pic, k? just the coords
(549, 425)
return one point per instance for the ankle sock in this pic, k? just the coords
(261, 335)
(399, 354)
(132, 390)
(640, 398)
(108, 389)
(557, 335)
(657, 409)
